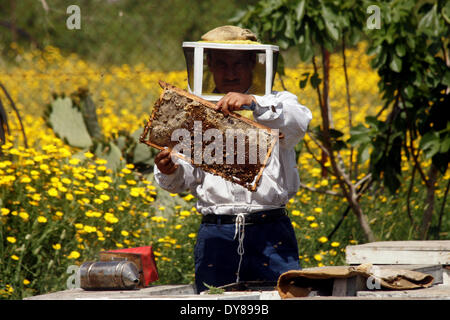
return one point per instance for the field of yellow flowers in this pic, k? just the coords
(58, 210)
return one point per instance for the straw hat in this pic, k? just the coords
(229, 33)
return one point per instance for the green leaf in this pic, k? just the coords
(315, 80)
(338, 145)
(364, 153)
(445, 144)
(305, 49)
(373, 122)
(429, 24)
(379, 60)
(303, 82)
(409, 91)
(430, 144)
(446, 12)
(446, 78)
(300, 10)
(400, 49)
(335, 134)
(396, 63)
(359, 129)
(358, 139)
(330, 23)
(289, 32)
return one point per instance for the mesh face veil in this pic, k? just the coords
(215, 68)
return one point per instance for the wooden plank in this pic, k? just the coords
(400, 252)
(446, 276)
(422, 245)
(439, 292)
(345, 287)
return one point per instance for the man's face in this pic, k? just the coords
(232, 70)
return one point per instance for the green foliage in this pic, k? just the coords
(67, 122)
(116, 32)
(213, 290)
(409, 53)
(410, 50)
(74, 120)
(305, 24)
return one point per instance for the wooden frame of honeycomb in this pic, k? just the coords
(178, 109)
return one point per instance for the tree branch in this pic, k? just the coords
(443, 207)
(349, 109)
(344, 182)
(17, 113)
(408, 196)
(329, 192)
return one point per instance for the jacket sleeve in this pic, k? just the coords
(281, 110)
(185, 177)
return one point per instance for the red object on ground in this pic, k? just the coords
(147, 260)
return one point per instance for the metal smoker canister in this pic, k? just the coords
(109, 275)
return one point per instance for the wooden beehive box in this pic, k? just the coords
(426, 252)
(178, 109)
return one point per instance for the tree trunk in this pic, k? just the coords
(348, 188)
(429, 202)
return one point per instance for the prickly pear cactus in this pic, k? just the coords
(111, 153)
(89, 111)
(67, 122)
(75, 121)
(142, 153)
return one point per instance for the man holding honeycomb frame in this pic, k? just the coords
(244, 235)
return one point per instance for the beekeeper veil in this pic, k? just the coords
(229, 40)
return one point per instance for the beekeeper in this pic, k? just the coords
(244, 235)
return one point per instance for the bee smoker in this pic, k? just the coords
(104, 275)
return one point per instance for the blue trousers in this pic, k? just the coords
(269, 250)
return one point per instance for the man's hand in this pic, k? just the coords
(234, 101)
(163, 161)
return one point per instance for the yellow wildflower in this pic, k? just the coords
(335, 244)
(323, 239)
(73, 255)
(11, 239)
(189, 197)
(42, 219)
(24, 215)
(88, 155)
(52, 192)
(104, 197)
